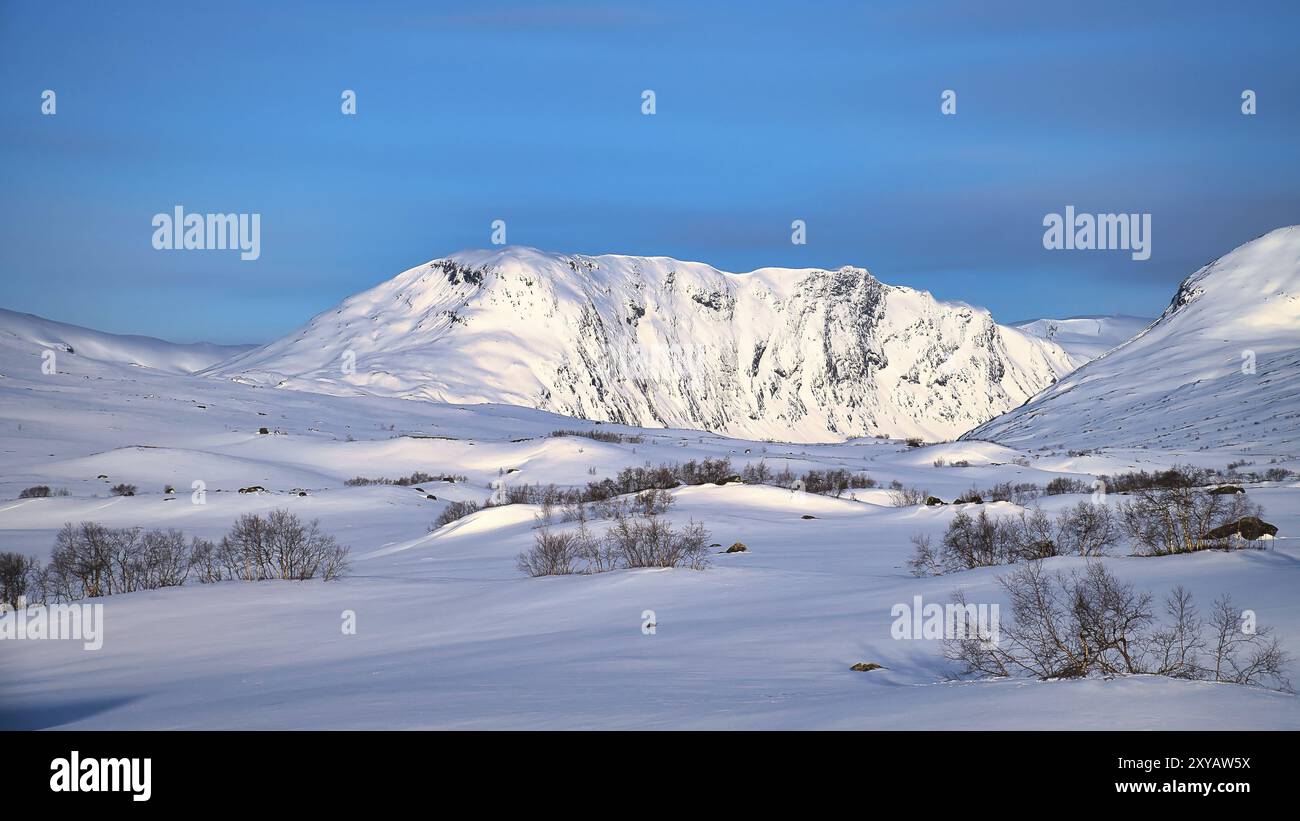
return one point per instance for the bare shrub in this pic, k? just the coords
(906, 496)
(666, 476)
(1176, 646)
(1032, 535)
(18, 578)
(1087, 530)
(92, 560)
(574, 512)
(599, 555)
(602, 436)
(1179, 476)
(1021, 493)
(756, 473)
(554, 553)
(206, 562)
(123, 490)
(707, 471)
(1065, 484)
(832, 482)
(924, 561)
(163, 559)
(335, 563)
(977, 541)
(984, 541)
(653, 542)
(970, 497)
(1071, 626)
(35, 492)
(1062, 626)
(1175, 519)
(454, 511)
(81, 564)
(279, 546)
(632, 541)
(615, 507)
(652, 502)
(418, 477)
(1239, 657)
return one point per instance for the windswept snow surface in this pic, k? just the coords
(1220, 368)
(451, 635)
(803, 355)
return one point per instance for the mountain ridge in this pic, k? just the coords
(805, 354)
(39, 333)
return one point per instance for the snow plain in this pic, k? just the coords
(451, 635)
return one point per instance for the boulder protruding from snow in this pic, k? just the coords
(1250, 528)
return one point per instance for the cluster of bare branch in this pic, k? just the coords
(987, 541)
(1176, 519)
(1090, 623)
(91, 560)
(641, 539)
(279, 546)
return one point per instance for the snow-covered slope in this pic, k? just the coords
(1220, 367)
(1086, 337)
(451, 635)
(794, 354)
(32, 335)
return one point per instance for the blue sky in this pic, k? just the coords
(531, 113)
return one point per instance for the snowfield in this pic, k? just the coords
(449, 634)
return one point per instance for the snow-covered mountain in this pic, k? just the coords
(513, 652)
(1220, 367)
(1086, 337)
(26, 337)
(795, 354)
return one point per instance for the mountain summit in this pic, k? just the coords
(796, 354)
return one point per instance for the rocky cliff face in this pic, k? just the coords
(792, 354)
